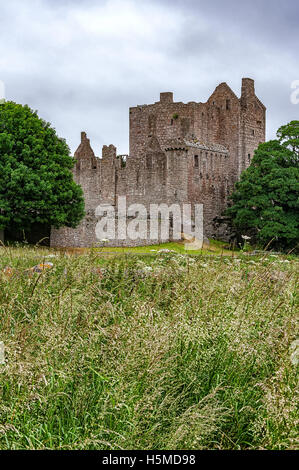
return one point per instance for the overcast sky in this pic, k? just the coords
(83, 63)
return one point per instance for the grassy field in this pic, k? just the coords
(170, 351)
(214, 247)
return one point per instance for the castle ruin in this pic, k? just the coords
(178, 153)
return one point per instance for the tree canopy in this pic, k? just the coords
(36, 182)
(265, 200)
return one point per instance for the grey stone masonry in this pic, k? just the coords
(179, 153)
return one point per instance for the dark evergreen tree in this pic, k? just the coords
(265, 200)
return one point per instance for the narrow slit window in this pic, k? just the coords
(196, 165)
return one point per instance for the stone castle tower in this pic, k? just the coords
(179, 153)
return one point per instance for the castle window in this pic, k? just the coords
(196, 161)
(227, 105)
(171, 122)
(252, 131)
(259, 123)
(249, 157)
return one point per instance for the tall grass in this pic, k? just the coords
(164, 352)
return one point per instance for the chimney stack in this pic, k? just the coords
(166, 97)
(247, 90)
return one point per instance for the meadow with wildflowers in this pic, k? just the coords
(165, 350)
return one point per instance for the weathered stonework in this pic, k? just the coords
(179, 153)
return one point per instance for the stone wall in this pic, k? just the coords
(179, 153)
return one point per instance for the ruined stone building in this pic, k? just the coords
(179, 153)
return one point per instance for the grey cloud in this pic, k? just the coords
(82, 64)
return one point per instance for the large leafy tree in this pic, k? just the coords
(265, 200)
(36, 182)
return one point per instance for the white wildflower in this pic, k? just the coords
(295, 352)
(147, 268)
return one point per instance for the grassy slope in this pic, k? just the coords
(162, 352)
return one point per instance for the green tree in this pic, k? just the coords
(265, 200)
(36, 182)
